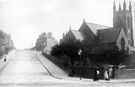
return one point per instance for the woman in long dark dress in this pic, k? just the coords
(95, 75)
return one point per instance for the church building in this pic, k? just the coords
(123, 19)
(120, 35)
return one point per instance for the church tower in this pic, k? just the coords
(123, 19)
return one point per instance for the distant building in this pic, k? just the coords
(50, 42)
(41, 42)
(45, 42)
(119, 36)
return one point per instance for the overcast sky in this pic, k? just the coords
(26, 19)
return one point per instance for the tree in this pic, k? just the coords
(70, 49)
(110, 56)
(6, 44)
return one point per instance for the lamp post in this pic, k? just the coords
(79, 53)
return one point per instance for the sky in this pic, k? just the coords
(26, 19)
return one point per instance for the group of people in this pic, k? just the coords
(105, 77)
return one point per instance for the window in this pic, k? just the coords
(122, 44)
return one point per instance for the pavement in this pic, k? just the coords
(52, 69)
(7, 56)
(2, 63)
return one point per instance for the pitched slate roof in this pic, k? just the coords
(109, 35)
(78, 35)
(95, 27)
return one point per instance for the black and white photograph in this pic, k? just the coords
(67, 43)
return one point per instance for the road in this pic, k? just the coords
(25, 70)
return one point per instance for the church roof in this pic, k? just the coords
(95, 27)
(109, 35)
(78, 35)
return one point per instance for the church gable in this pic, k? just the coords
(122, 41)
(68, 37)
(73, 35)
(90, 30)
(86, 31)
(114, 36)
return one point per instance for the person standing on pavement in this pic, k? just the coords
(106, 74)
(4, 58)
(96, 73)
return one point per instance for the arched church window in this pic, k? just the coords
(122, 44)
